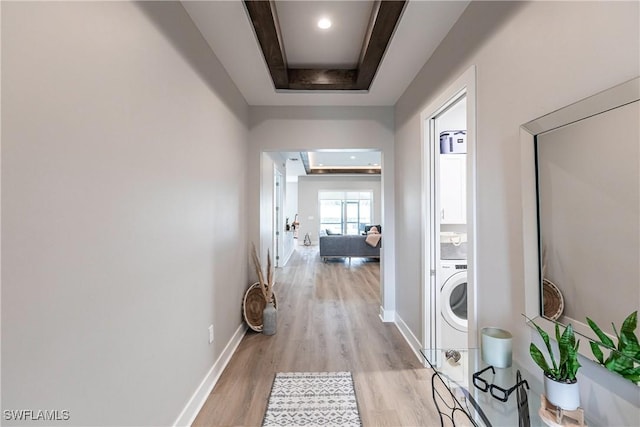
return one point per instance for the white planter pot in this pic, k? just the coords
(563, 395)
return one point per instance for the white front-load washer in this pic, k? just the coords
(453, 304)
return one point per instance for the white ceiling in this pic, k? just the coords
(307, 46)
(294, 166)
(226, 27)
(344, 159)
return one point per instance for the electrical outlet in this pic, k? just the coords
(210, 334)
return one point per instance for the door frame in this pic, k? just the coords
(465, 85)
(263, 224)
(278, 223)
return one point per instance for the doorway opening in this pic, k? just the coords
(346, 200)
(448, 264)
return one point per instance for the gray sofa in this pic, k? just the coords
(346, 246)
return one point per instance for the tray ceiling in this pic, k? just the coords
(307, 46)
(325, 162)
(373, 27)
(227, 27)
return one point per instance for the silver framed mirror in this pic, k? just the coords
(581, 213)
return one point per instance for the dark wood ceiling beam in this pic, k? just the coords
(314, 79)
(385, 22)
(345, 171)
(265, 25)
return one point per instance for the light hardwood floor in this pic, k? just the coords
(327, 321)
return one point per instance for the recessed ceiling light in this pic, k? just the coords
(324, 23)
(352, 157)
(320, 164)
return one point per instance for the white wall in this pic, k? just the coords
(309, 128)
(531, 59)
(308, 188)
(291, 209)
(292, 201)
(270, 162)
(123, 210)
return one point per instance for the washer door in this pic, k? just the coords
(454, 301)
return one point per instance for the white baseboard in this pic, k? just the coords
(409, 337)
(195, 404)
(287, 257)
(387, 316)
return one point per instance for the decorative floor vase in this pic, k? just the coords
(269, 319)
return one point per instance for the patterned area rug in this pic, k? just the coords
(312, 399)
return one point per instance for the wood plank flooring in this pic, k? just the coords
(327, 321)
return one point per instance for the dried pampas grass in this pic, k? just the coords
(265, 286)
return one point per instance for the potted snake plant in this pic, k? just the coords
(623, 358)
(560, 383)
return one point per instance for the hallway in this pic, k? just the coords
(327, 321)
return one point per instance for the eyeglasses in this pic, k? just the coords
(496, 391)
